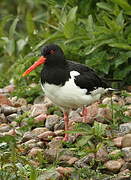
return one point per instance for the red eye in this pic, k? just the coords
(52, 51)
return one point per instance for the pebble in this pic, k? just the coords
(50, 175)
(59, 132)
(128, 100)
(4, 128)
(40, 118)
(51, 154)
(12, 117)
(83, 162)
(102, 155)
(27, 136)
(124, 175)
(3, 118)
(127, 153)
(51, 120)
(38, 109)
(7, 110)
(65, 170)
(19, 102)
(72, 160)
(118, 141)
(46, 135)
(60, 125)
(39, 130)
(4, 100)
(114, 165)
(55, 143)
(126, 141)
(34, 151)
(125, 128)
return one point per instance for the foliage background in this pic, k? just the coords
(96, 33)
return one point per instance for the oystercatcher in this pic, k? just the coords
(67, 84)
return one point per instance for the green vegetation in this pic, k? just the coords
(97, 33)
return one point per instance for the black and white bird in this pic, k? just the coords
(66, 83)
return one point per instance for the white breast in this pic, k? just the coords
(70, 95)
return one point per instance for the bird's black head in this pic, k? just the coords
(53, 53)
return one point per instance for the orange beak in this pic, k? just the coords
(40, 61)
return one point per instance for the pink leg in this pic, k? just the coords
(66, 120)
(84, 113)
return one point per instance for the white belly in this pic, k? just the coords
(70, 95)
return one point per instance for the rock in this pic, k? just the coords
(114, 165)
(7, 110)
(72, 160)
(27, 136)
(10, 88)
(55, 143)
(124, 175)
(115, 152)
(4, 128)
(20, 102)
(60, 125)
(39, 100)
(118, 141)
(30, 143)
(74, 114)
(59, 132)
(92, 111)
(34, 163)
(48, 103)
(127, 113)
(34, 151)
(126, 141)
(127, 153)
(106, 100)
(102, 114)
(51, 120)
(12, 117)
(3, 119)
(38, 131)
(65, 170)
(38, 109)
(52, 154)
(46, 135)
(13, 124)
(50, 175)
(127, 165)
(83, 162)
(4, 100)
(40, 144)
(102, 155)
(40, 118)
(128, 100)
(125, 128)
(11, 132)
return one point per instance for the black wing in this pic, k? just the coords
(88, 78)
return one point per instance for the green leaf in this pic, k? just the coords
(13, 27)
(123, 4)
(120, 19)
(104, 6)
(21, 44)
(30, 26)
(72, 14)
(120, 45)
(84, 140)
(10, 47)
(69, 29)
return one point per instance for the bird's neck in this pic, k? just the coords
(56, 74)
